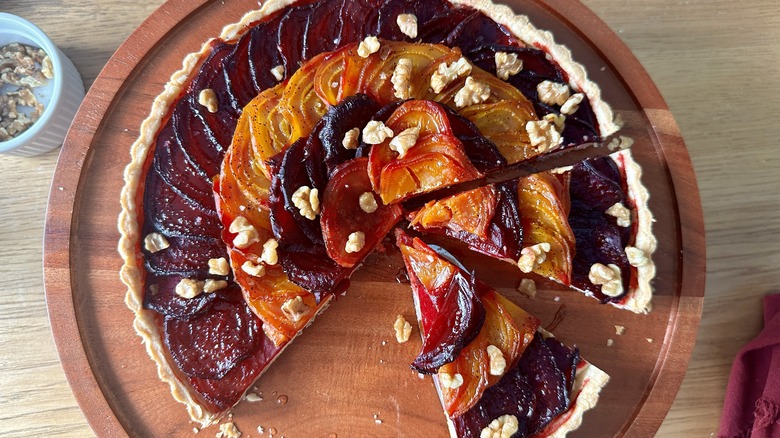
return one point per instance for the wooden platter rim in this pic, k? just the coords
(78, 145)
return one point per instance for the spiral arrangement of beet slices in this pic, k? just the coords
(178, 200)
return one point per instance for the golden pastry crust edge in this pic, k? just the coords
(130, 273)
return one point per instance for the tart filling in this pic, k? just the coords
(258, 103)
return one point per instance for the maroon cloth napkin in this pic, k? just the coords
(752, 404)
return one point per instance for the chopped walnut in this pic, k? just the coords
(621, 213)
(210, 286)
(47, 68)
(527, 287)
(446, 73)
(269, 255)
(402, 75)
(251, 397)
(154, 242)
(619, 330)
(219, 266)
(404, 141)
(572, 104)
(350, 141)
(24, 67)
(553, 93)
(355, 242)
(497, 361)
(557, 120)
(403, 330)
(295, 309)
(307, 201)
(368, 202)
(533, 256)
(208, 98)
(368, 46)
(278, 72)
(543, 135)
(608, 277)
(450, 381)
(246, 233)
(408, 24)
(507, 64)
(502, 427)
(620, 143)
(228, 430)
(636, 257)
(189, 288)
(253, 269)
(610, 342)
(376, 132)
(472, 93)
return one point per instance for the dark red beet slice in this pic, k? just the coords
(210, 70)
(476, 30)
(459, 318)
(291, 34)
(187, 255)
(236, 65)
(160, 296)
(387, 26)
(440, 25)
(535, 391)
(212, 75)
(221, 394)
(172, 215)
(353, 112)
(263, 54)
(174, 168)
(596, 185)
(566, 358)
(211, 344)
(200, 151)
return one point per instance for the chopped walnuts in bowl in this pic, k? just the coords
(23, 68)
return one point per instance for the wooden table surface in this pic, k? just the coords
(717, 64)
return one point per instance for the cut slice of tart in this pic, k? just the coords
(496, 371)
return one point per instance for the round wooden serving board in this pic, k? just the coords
(341, 377)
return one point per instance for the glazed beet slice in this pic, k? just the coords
(160, 296)
(212, 75)
(174, 168)
(535, 391)
(314, 271)
(236, 65)
(263, 53)
(566, 358)
(220, 394)
(596, 185)
(323, 29)
(440, 25)
(458, 321)
(353, 112)
(172, 215)
(210, 70)
(211, 344)
(358, 20)
(187, 255)
(200, 151)
(387, 26)
(290, 35)
(476, 30)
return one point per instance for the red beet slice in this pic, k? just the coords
(211, 344)
(161, 297)
(186, 255)
(388, 12)
(172, 215)
(174, 168)
(353, 112)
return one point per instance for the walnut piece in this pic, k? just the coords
(189, 288)
(278, 72)
(572, 104)
(403, 330)
(408, 24)
(269, 255)
(376, 132)
(253, 269)
(295, 309)
(355, 242)
(497, 361)
(307, 201)
(154, 242)
(404, 141)
(228, 430)
(401, 80)
(369, 45)
(208, 98)
(619, 330)
(368, 202)
(543, 135)
(620, 143)
(25, 68)
(502, 427)
(636, 257)
(446, 73)
(557, 120)
(450, 381)
(533, 256)
(350, 141)
(621, 213)
(219, 266)
(472, 93)
(527, 287)
(210, 286)
(246, 233)
(553, 93)
(608, 277)
(507, 64)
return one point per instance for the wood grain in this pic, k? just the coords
(714, 62)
